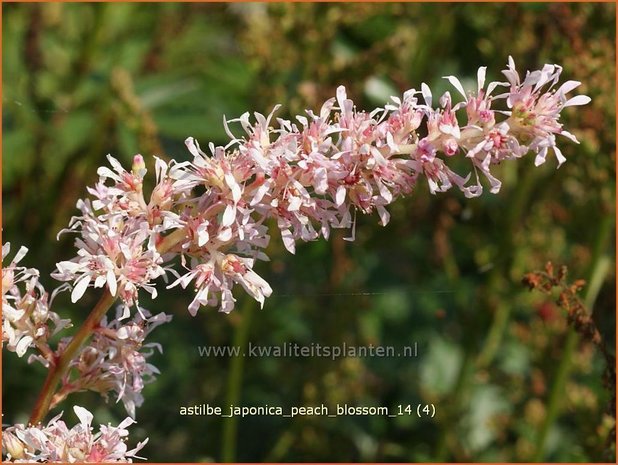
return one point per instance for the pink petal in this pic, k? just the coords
(22, 345)
(384, 215)
(480, 77)
(568, 86)
(111, 282)
(228, 216)
(426, 91)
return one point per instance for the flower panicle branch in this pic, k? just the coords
(115, 360)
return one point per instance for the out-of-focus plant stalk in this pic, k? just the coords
(465, 374)
(234, 383)
(502, 314)
(598, 270)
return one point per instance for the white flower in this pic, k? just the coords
(27, 320)
(115, 360)
(55, 442)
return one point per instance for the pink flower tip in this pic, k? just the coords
(139, 166)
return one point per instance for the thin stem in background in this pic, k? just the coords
(599, 268)
(461, 388)
(500, 319)
(502, 315)
(234, 384)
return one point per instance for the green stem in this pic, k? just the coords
(281, 447)
(234, 383)
(502, 314)
(494, 338)
(465, 372)
(597, 271)
(555, 395)
(171, 240)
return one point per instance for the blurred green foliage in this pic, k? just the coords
(84, 80)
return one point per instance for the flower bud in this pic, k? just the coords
(13, 446)
(231, 265)
(139, 167)
(77, 454)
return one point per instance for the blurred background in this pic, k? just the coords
(509, 380)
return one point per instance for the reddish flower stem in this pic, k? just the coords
(59, 369)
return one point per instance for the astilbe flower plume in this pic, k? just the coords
(307, 175)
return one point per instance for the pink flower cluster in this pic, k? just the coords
(210, 216)
(308, 175)
(57, 443)
(116, 360)
(27, 321)
(111, 250)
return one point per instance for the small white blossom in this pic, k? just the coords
(27, 321)
(55, 442)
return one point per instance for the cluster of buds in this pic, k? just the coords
(309, 176)
(57, 443)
